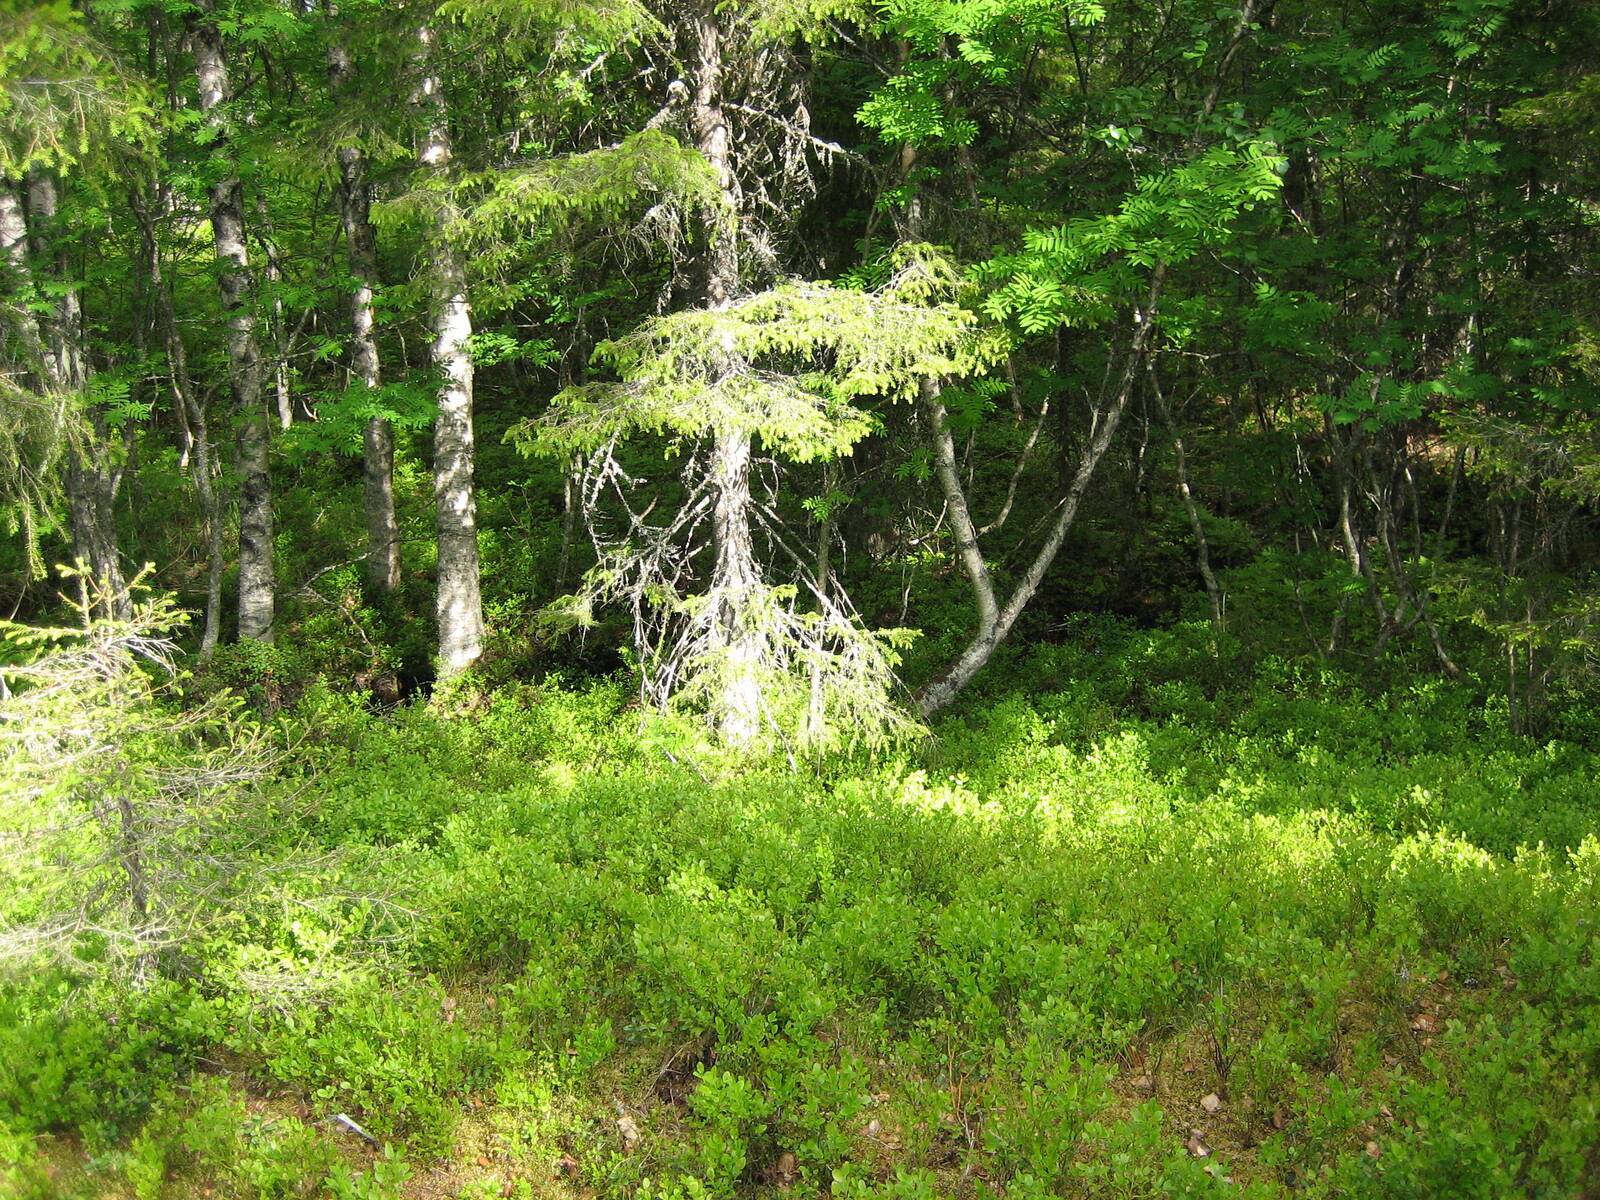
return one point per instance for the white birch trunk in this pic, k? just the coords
(192, 413)
(377, 445)
(23, 321)
(458, 604)
(995, 621)
(236, 284)
(55, 339)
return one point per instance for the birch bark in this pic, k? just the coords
(458, 604)
(236, 284)
(93, 475)
(996, 620)
(361, 250)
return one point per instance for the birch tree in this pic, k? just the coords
(458, 602)
(236, 284)
(94, 469)
(1109, 271)
(65, 106)
(361, 251)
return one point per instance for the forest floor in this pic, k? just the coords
(1110, 940)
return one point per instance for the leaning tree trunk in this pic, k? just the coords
(377, 446)
(735, 578)
(1191, 507)
(996, 620)
(236, 283)
(458, 605)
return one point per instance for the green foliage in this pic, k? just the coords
(1275, 862)
(1077, 273)
(783, 365)
(408, 404)
(608, 181)
(972, 961)
(89, 1058)
(63, 96)
(403, 1060)
(992, 42)
(35, 432)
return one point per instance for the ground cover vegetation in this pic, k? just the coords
(674, 599)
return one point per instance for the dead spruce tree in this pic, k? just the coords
(752, 371)
(147, 833)
(769, 662)
(130, 826)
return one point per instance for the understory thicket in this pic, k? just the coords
(1188, 924)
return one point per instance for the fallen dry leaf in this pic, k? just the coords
(1196, 1145)
(1211, 1102)
(628, 1130)
(1374, 1150)
(788, 1169)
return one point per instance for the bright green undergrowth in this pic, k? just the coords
(1014, 962)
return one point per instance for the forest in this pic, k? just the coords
(732, 599)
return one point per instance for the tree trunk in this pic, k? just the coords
(377, 445)
(35, 485)
(994, 621)
(459, 605)
(735, 578)
(824, 565)
(1202, 548)
(92, 474)
(192, 415)
(236, 284)
(54, 344)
